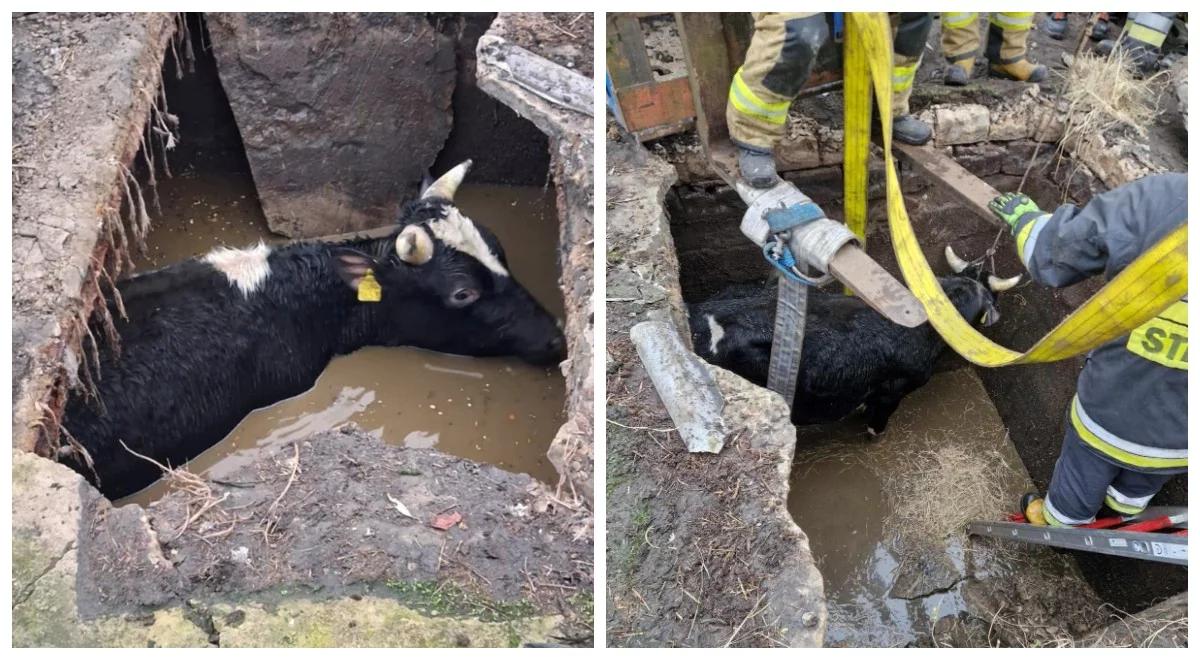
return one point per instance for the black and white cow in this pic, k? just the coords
(211, 339)
(852, 356)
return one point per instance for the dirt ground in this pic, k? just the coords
(342, 512)
(83, 88)
(701, 551)
(568, 41)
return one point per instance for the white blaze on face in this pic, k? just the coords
(460, 233)
(715, 333)
(246, 269)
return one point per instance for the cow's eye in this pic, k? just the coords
(463, 297)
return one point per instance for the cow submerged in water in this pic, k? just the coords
(209, 340)
(852, 356)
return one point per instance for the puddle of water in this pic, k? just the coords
(839, 498)
(498, 411)
(200, 212)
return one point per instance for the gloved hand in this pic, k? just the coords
(1011, 207)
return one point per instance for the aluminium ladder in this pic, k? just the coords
(1157, 534)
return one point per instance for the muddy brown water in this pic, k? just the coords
(498, 411)
(840, 497)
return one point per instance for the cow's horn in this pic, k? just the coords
(997, 285)
(414, 246)
(957, 265)
(447, 184)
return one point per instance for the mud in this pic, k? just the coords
(497, 411)
(330, 542)
(700, 550)
(82, 94)
(564, 38)
(322, 512)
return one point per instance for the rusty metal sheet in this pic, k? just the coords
(655, 104)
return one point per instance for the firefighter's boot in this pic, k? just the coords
(910, 130)
(1008, 37)
(1055, 25)
(959, 73)
(1032, 505)
(757, 167)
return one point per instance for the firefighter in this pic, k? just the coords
(1126, 429)
(1142, 39)
(1008, 36)
(778, 63)
(1055, 26)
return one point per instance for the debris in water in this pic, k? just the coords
(400, 507)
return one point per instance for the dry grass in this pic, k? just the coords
(936, 492)
(201, 500)
(1103, 93)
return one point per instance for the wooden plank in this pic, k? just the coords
(876, 287)
(654, 104)
(628, 63)
(739, 30)
(974, 192)
(647, 134)
(709, 72)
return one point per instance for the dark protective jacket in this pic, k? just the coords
(1131, 401)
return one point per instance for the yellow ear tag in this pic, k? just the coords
(368, 289)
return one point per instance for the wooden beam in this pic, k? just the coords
(625, 50)
(975, 193)
(704, 50)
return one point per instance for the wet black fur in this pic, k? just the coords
(197, 356)
(851, 356)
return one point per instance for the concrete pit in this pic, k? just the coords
(466, 437)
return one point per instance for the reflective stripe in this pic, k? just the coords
(1164, 338)
(902, 77)
(1123, 451)
(1125, 503)
(1122, 508)
(1028, 236)
(1146, 35)
(747, 102)
(1153, 20)
(1055, 518)
(1012, 20)
(958, 20)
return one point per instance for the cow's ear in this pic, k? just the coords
(352, 266)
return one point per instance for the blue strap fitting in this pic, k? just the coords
(785, 263)
(839, 26)
(795, 215)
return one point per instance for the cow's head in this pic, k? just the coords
(973, 289)
(449, 284)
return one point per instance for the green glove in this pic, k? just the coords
(1012, 207)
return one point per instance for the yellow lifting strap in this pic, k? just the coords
(1150, 284)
